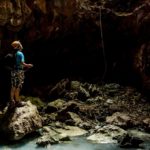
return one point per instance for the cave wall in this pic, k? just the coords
(64, 38)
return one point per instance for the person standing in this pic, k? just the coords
(17, 74)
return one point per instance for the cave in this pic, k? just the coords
(93, 41)
(90, 73)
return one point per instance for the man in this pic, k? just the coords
(17, 74)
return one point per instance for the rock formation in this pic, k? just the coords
(21, 121)
(70, 35)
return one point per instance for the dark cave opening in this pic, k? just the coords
(71, 57)
(76, 52)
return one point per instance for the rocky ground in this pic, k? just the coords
(108, 113)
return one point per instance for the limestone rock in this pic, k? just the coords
(14, 14)
(55, 105)
(119, 119)
(73, 119)
(52, 135)
(21, 121)
(107, 134)
(133, 138)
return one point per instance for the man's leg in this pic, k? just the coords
(12, 93)
(12, 96)
(13, 88)
(18, 102)
(20, 80)
(11, 103)
(17, 95)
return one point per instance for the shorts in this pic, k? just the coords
(17, 78)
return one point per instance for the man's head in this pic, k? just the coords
(17, 45)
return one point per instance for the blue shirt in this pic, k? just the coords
(19, 60)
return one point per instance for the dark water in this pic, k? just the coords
(77, 143)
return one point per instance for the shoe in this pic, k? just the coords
(20, 104)
(11, 104)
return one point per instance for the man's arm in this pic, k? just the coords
(27, 65)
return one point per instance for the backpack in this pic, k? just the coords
(9, 61)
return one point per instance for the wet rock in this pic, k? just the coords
(119, 119)
(73, 119)
(111, 89)
(93, 89)
(47, 139)
(133, 139)
(146, 123)
(53, 135)
(72, 131)
(35, 101)
(49, 136)
(55, 106)
(96, 99)
(86, 125)
(107, 134)
(130, 142)
(47, 118)
(83, 94)
(75, 85)
(139, 134)
(21, 121)
(71, 95)
(71, 106)
(59, 89)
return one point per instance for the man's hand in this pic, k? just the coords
(30, 65)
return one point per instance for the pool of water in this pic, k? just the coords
(77, 143)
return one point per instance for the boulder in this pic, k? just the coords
(133, 139)
(107, 134)
(21, 121)
(73, 119)
(55, 106)
(119, 119)
(53, 135)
